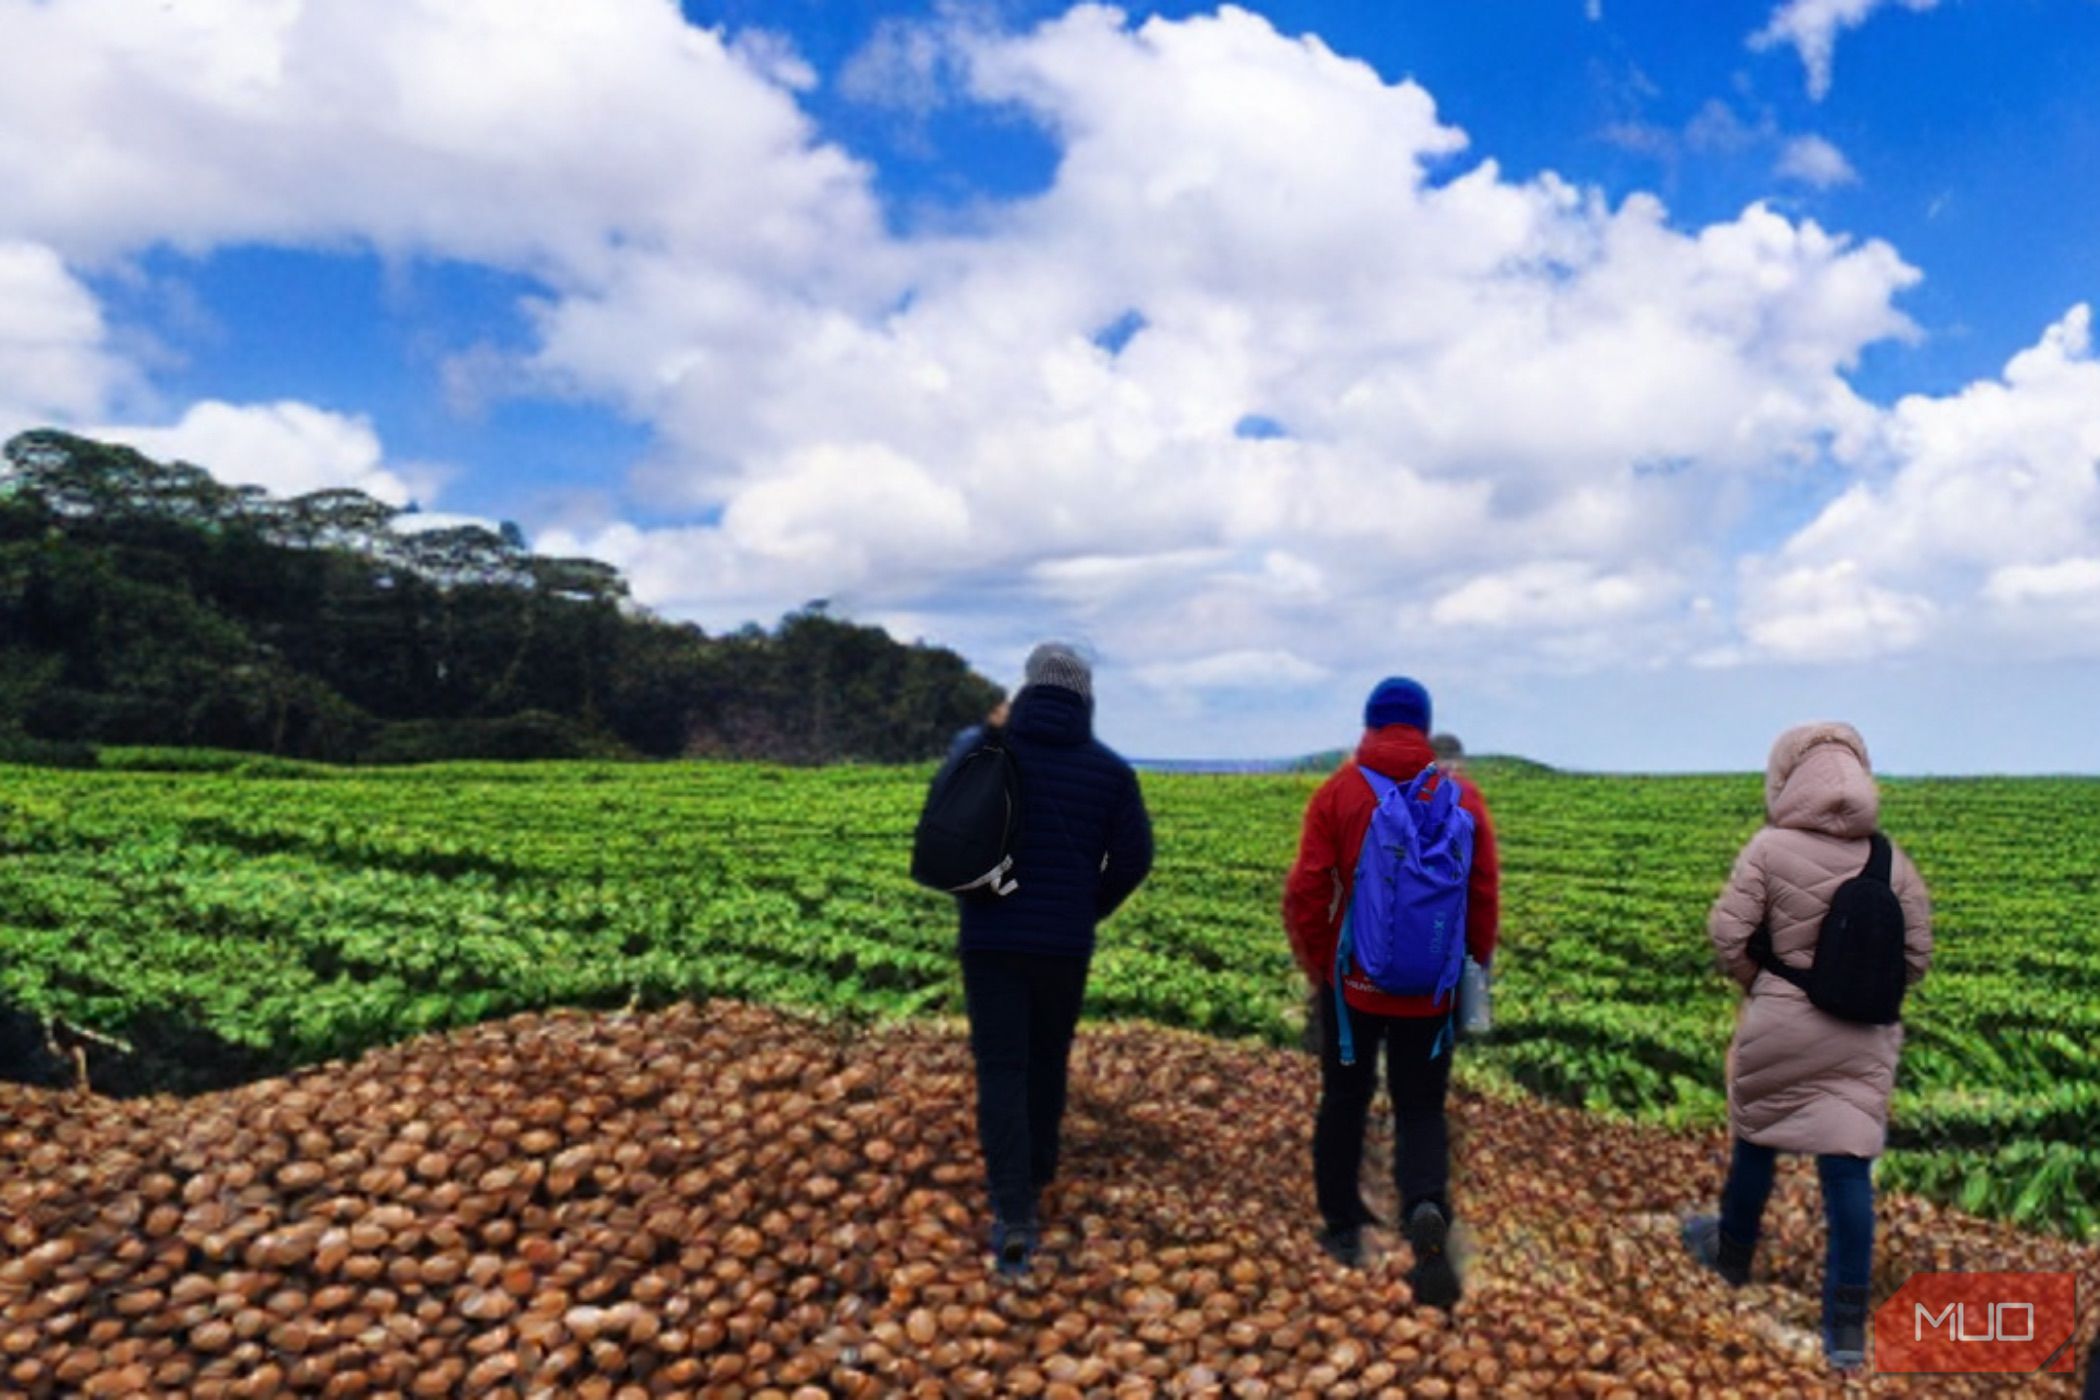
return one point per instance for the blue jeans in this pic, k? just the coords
(1848, 1209)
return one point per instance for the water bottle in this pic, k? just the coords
(1475, 995)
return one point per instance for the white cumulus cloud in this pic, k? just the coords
(1475, 375)
(1982, 509)
(58, 369)
(2075, 578)
(1831, 612)
(287, 447)
(56, 363)
(1552, 594)
(535, 134)
(1276, 379)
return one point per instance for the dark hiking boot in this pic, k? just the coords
(1344, 1244)
(1845, 1329)
(1013, 1248)
(1434, 1278)
(1727, 1256)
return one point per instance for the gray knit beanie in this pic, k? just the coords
(1054, 663)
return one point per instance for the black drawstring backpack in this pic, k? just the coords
(1859, 973)
(971, 823)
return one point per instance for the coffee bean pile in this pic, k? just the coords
(727, 1201)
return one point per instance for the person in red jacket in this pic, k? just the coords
(1414, 1029)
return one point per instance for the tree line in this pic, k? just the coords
(147, 603)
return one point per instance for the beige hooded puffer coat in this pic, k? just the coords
(1800, 1080)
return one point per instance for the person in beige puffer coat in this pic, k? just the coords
(1800, 1080)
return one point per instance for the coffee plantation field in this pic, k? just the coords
(227, 917)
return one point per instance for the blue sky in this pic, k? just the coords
(1644, 377)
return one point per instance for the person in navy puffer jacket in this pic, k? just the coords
(1085, 845)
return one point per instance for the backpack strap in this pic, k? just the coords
(994, 880)
(1382, 787)
(1767, 957)
(1447, 1038)
(1881, 860)
(1344, 949)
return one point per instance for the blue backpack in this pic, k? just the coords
(1406, 926)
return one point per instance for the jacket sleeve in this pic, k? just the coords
(1917, 917)
(1128, 859)
(1484, 886)
(1312, 892)
(1737, 913)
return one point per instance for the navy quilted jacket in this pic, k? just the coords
(1079, 804)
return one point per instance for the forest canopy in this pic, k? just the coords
(147, 603)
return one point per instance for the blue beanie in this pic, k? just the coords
(1397, 700)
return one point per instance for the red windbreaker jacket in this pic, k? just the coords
(1317, 894)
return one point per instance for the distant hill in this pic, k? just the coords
(1323, 762)
(1489, 763)
(146, 603)
(1218, 765)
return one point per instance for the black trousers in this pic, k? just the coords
(1023, 1008)
(1417, 1085)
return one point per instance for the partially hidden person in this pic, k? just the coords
(1393, 763)
(970, 735)
(1084, 845)
(1801, 1079)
